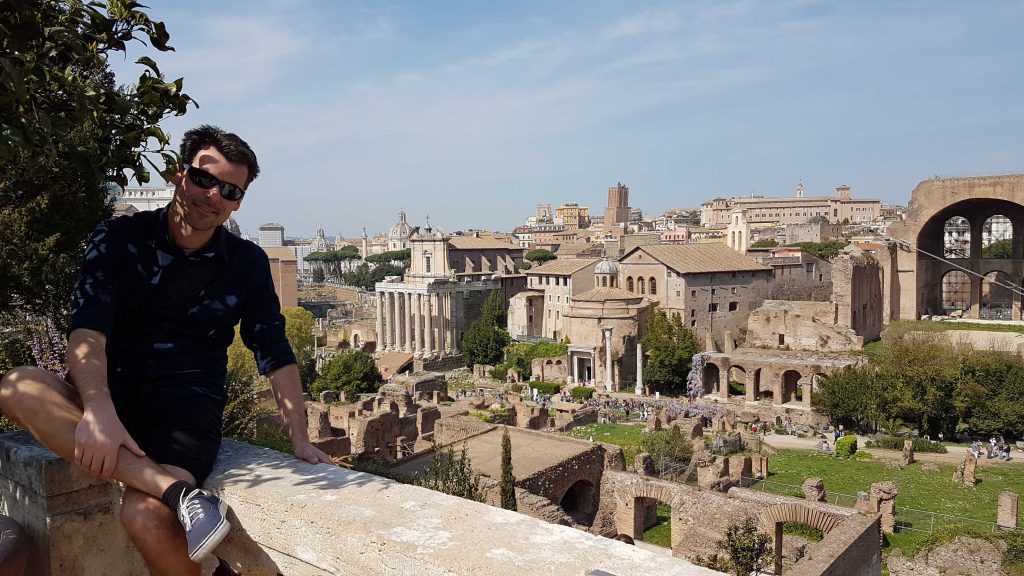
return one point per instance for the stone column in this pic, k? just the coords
(399, 317)
(778, 548)
(417, 324)
(449, 335)
(639, 368)
(453, 315)
(975, 311)
(410, 345)
(380, 321)
(608, 372)
(428, 325)
(723, 380)
(806, 400)
(389, 312)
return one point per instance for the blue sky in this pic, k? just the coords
(477, 111)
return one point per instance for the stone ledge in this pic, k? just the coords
(300, 519)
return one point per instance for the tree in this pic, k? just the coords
(508, 481)
(298, 326)
(669, 347)
(852, 395)
(485, 341)
(318, 275)
(241, 386)
(825, 250)
(539, 256)
(394, 256)
(451, 475)
(366, 278)
(998, 249)
(766, 243)
(352, 372)
(67, 130)
(748, 548)
(667, 446)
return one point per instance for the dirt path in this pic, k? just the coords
(954, 455)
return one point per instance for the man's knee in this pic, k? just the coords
(143, 515)
(18, 381)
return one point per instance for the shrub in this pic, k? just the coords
(500, 372)
(582, 393)
(483, 416)
(896, 443)
(545, 387)
(846, 446)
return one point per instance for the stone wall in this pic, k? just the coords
(808, 326)
(451, 430)
(438, 364)
(553, 369)
(857, 290)
(854, 548)
(291, 517)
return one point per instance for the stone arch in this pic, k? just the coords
(712, 375)
(772, 518)
(997, 299)
(790, 381)
(738, 374)
(754, 385)
(997, 237)
(956, 291)
(580, 500)
(634, 505)
(356, 344)
(956, 237)
(990, 218)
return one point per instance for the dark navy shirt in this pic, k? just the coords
(169, 316)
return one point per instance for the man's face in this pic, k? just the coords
(204, 208)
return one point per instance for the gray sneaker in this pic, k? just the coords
(202, 515)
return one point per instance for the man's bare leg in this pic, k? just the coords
(48, 408)
(156, 532)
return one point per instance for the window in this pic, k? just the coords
(693, 312)
(629, 283)
(604, 282)
(733, 306)
(677, 293)
(640, 285)
(653, 285)
(713, 307)
(693, 323)
(693, 293)
(712, 291)
(782, 339)
(426, 264)
(732, 290)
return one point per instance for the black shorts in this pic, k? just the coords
(174, 424)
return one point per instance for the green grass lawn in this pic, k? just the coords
(660, 534)
(626, 435)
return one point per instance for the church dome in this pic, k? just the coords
(607, 267)
(401, 229)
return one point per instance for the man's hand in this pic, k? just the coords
(312, 454)
(98, 437)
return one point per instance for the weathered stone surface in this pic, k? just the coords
(814, 489)
(964, 557)
(883, 500)
(966, 471)
(644, 465)
(1006, 515)
(907, 457)
(328, 397)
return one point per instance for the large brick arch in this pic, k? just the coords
(781, 513)
(655, 491)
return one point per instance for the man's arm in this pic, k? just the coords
(287, 389)
(100, 433)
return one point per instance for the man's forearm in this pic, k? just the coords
(287, 388)
(87, 367)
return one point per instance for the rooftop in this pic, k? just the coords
(699, 258)
(561, 267)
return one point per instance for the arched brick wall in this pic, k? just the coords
(781, 513)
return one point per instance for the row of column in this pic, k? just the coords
(416, 322)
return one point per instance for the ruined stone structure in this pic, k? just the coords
(391, 424)
(918, 283)
(777, 376)
(851, 546)
(426, 312)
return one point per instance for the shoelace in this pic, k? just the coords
(192, 510)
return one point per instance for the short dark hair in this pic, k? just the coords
(229, 144)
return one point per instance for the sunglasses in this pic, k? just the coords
(204, 179)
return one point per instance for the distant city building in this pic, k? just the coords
(617, 213)
(794, 210)
(573, 216)
(284, 271)
(813, 232)
(398, 236)
(145, 197)
(271, 235)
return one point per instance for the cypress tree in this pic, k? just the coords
(508, 481)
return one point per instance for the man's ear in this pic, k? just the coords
(178, 178)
